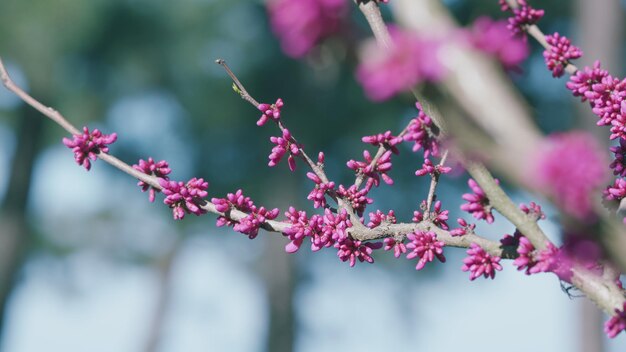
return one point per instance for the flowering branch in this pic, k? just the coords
(603, 292)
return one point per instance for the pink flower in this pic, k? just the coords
(298, 231)
(581, 83)
(270, 111)
(617, 323)
(464, 229)
(480, 263)
(88, 145)
(283, 145)
(561, 52)
(525, 259)
(251, 224)
(378, 218)
(569, 167)
(421, 130)
(533, 209)
(386, 140)
(301, 24)
(425, 246)
(373, 172)
(233, 200)
(524, 15)
(185, 198)
(552, 259)
(494, 38)
(429, 168)
(398, 246)
(351, 250)
(160, 170)
(619, 163)
(357, 198)
(477, 203)
(617, 191)
(410, 61)
(318, 194)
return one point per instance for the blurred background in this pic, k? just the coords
(88, 264)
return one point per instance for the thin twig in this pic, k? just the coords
(242, 90)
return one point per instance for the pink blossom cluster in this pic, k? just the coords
(270, 112)
(374, 171)
(284, 145)
(480, 263)
(523, 15)
(477, 203)
(560, 53)
(428, 168)
(409, 61)
(318, 194)
(302, 24)
(386, 140)
(426, 247)
(325, 231)
(617, 323)
(606, 95)
(437, 216)
(423, 132)
(494, 38)
(157, 169)
(252, 222)
(88, 145)
(357, 199)
(464, 229)
(185, 198)
(570, 168)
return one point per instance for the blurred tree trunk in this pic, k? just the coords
(15, 234)
(600, 28)
(278, 273)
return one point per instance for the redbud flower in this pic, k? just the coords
(617, 323)
(357, 198)
(329, 229)
(524, 15)
(533, 209)
(553, 260)
(382, 166)
(560, 53)
(619, 163)
(386, 140)
(617, 191)
(425, 246)
(251, 224)
(351, 250)
(298, 231)
(410, 61)
(233, 200)
(160, 169)
(581, 83)
(421, 131)
(398, 246)
(464, 229)
(494, 38)
(318, 194)
(570, 168)
(477, 203)
(283, 145)
(378, 218)
(185, 198)
(480, 263)
(525, 260)
(301, 24)
(429, 168)
(270, 112)
(437, 216)
(88, 145)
